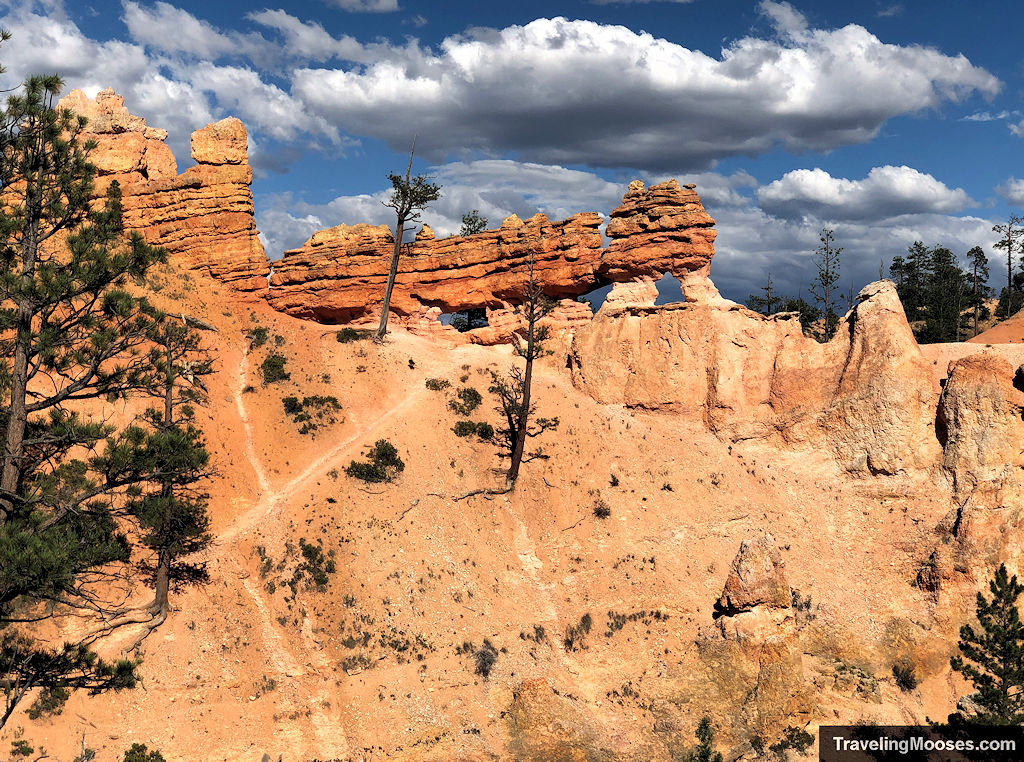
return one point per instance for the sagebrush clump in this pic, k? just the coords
(469, 399)
(383, 464)
(482, 429)
(273, 369)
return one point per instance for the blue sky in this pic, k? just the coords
(886, 121)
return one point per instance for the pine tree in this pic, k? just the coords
(993, 659)
(410, 196)
(978, 268)
(766, 304)
(1012, 232)
(166, 460)
(824, 286)
(705, 751)
(945, 296)
(473, 223)
(69, 331)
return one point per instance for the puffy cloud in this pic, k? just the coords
(1018, 129)
(578, 92)
(885, 193)
(1012, 191)
(169, 29)
(308, 40)
(787, 19)
(366, 6)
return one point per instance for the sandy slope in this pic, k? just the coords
(373, 668)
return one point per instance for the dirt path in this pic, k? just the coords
(302, 673)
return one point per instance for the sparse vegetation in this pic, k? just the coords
(383, 465)
(139, 752)
(469, 399)
(273, 369)
(906, 679)
(312, 412)
(601, 509)
(437, 384)
(705, 749)
(577, 633)
(347, 335)
(797, 739)
(257, 336)
(485, 658)
(468, 428)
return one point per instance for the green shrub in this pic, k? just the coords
(139, 753)
(601, 509)
(485, 659)
(906, 679)
(273, 369)
(469, 399)
(292, 406)
(468, 428)
(437, 384)
(257, 336)
(794, 738)
(575, 634)
(384, 464)
(464, 428)
(347, 335)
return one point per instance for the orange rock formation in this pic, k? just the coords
(204, 216)
(340, 273)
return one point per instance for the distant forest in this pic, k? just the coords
(943, 301)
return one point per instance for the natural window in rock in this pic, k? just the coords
(670, 290)
(596, 297)
(465, 320)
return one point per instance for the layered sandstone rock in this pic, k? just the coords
(204, 216)
(656, 230)
(339, 275)
(980, 420)
(868, 394)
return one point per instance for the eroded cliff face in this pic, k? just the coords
(340, 273)
(869, 393)
(204, 216)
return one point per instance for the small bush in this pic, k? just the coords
(257, 336)
(905, 676)
(468, 428)
(384, 464)
(139, 753)
(794, 738)
(469, 399)
(273, 369)
(438, 384)
(601, 509)
(576, 634)
(485, 658)
(347, 335)
(292, 406)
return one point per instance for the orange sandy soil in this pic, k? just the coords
(368, 668)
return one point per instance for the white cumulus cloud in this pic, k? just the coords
(558, 91)
(886, 192)
(1012, 191)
